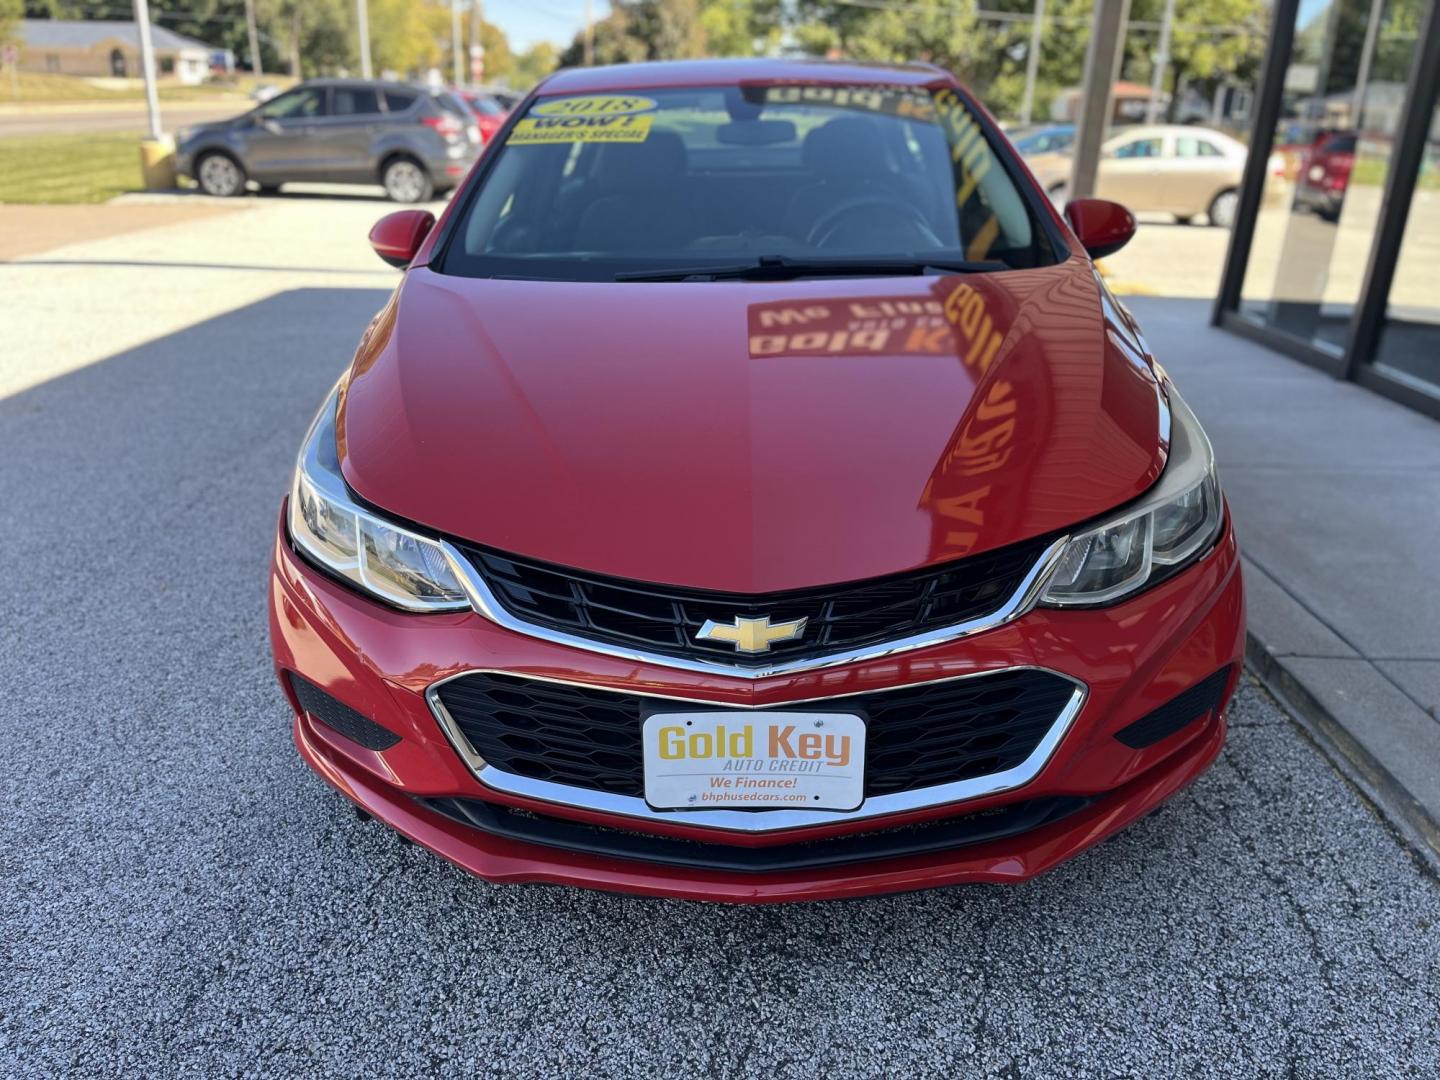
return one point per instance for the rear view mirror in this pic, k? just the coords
(1102, 227)
(397, 237)
(755, 132)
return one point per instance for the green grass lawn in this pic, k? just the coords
(68, 168)
(1373, 171)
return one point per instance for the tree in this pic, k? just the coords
(313, 37)
(1204, 44)
(499, 59)
(534, 64)
(741, 27)
(11, 12)
(409, 37)
(1213, 39)
(670, 29)
(643, 30)
(829, 27)
(614, 43)
(935, 31)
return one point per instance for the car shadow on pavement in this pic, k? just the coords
(300, 192)
(182, 895)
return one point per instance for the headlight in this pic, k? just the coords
(390, 563)
(1168, 529)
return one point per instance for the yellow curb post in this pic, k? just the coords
(157, 163)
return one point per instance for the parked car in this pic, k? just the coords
(1324, 174)
(489, 109)
(751, 492)
(413, 142)
(1046, 139)
(1175, 169)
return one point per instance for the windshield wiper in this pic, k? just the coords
(784, 268)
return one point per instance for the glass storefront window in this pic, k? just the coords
(1409, 343)
(1344, 95)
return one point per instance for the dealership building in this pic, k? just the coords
(1336, 259)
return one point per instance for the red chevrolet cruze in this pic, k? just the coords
(751, 492)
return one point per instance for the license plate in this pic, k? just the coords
(713, 760)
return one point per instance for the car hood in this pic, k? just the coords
(752, 436)
(243, 120)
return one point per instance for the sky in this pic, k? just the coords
(527, 21)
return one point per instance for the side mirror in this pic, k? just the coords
(1102, 227)
(397, 237)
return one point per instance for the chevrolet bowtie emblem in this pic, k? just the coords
(751, 635)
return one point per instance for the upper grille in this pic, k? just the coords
(916, 736)
(664, 619)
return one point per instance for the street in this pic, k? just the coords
(121, 117)
(184, 897)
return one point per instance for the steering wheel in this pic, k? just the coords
(901, 214)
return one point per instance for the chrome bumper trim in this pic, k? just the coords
(754, 821)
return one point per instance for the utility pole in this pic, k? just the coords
(456, 72)
(477, 49)
(1102, 67)
(1032, 63)
(256, 70)
(362, 19)
(1367, 57)
(589, 35)
(1162, 61)
(147, 65)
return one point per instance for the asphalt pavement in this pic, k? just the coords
(179, 896)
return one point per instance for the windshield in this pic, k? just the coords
(595, 186)
(1048, 141)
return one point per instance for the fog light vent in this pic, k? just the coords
(340, 717)
(1178, 712)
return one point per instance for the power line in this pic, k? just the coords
(1145, 25)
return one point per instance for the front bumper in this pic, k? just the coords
(1132, 658)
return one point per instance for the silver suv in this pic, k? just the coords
(415, 142)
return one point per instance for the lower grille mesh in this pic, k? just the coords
(917, 736)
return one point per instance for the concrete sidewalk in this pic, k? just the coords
(1336, 497)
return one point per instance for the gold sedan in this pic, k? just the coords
(1172, 169)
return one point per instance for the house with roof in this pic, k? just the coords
(110, 49)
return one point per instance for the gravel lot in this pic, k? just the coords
(180, 896)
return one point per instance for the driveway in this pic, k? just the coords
(181, 897)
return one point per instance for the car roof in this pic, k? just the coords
(679, 73)
(1166, 129)
(379, 84)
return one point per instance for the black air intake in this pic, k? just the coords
(1183, 709)
(340, 717)
(900, 842)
